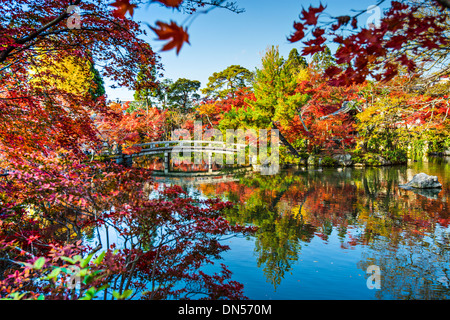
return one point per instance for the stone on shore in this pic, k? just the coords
(343, 159)
(423, 181)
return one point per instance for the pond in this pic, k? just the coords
(321, 229)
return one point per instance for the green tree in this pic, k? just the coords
(274, 89)
(228, 81)
(144, 89)
(295, 61)
(322, 60)
(161, 93)
(98, 88)
(182, 94)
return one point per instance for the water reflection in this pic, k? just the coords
(403, 232)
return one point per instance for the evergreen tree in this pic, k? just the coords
(98, 88)
(183, 93)
(274, 89)
(145, 86)
(295, 61)
(227, 82)
(322, 60)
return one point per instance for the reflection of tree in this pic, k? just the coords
(280, 233)
(294, 207)
(412, 271)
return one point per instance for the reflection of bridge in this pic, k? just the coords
(187, 147)
(196, 180)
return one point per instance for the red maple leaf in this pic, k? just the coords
(171, 3)
(123, 6)
(311, 16)
(318, 32)
(319, 9)
(332, 71)
(172, 31)
(298, 34)
(312, 49)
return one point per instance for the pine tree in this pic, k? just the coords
(274, 89)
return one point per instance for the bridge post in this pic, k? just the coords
(210, 162)
(166, 162)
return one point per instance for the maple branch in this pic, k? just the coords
(365, 10)
(5, 53)
(285, 142)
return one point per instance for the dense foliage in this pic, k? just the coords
(375, 98)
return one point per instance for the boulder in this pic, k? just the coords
(343, 159)
(382, 161)
(311, 161)
(422, 181)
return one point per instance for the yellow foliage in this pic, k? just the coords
(206, 109)
(300, 213)
(70, 74)
(302, 75)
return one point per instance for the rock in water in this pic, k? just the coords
(423, 181)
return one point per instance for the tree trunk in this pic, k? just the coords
(285, 142)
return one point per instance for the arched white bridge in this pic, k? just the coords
(182, 146)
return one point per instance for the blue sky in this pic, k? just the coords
(222, 38)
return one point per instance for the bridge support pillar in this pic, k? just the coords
(210, 162)
(166, 162)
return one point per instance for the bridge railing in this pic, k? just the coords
(200, 144)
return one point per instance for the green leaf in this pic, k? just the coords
(17, 296)
(69, 260)
(126, 293)
(99, 259)
(83, 272)
(116, 294)
(87, 279)
(39, 263)
(122, 296)
(85, 262)
(54, 273)
(90, 293)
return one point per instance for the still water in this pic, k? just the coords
(320, 230)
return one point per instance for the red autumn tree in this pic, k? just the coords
(410, 35)
(127, 129)
(52, 196)
(38, 116)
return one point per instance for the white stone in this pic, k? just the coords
(423, 181)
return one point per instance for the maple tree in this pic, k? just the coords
(407, 36)
(396, 121)
(40, 115)
(53, 194)
(164, 240)
(222, 113)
